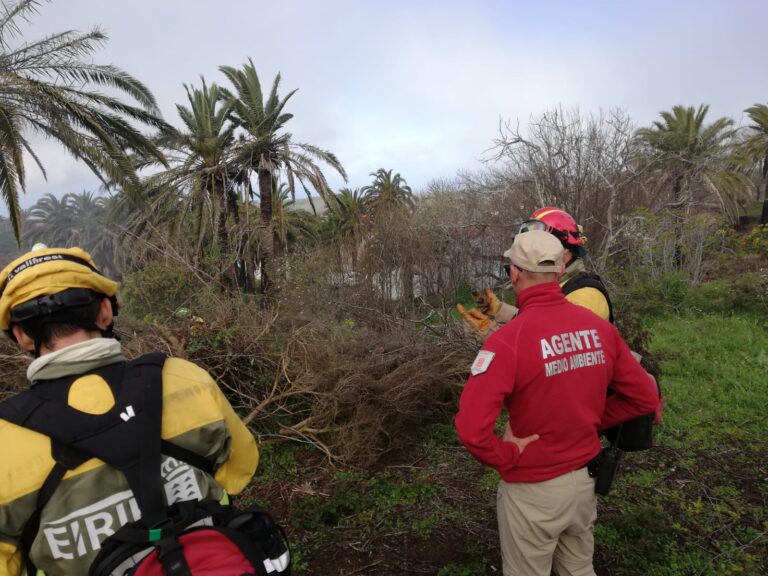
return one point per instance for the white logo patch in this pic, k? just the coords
(128, 414)
(482, 362)
(82, 531)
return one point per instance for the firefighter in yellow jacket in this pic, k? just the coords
(56, 305)
(579, 286)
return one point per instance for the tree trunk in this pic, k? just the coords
(277, 248)
(354, 253)
(247, 266)
(677, 191)
(764, 215)
(266, 235)
(222, 227)
(407, 271)
(222, 238)
(244, 270)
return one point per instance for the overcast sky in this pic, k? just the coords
(420, 86)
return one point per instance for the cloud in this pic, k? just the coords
(419, 87)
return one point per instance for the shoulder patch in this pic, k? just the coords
(482, 362)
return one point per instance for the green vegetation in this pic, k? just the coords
(673, 294)
(685, 151)
(50, 86)
(755, 150)
(694, 505)
(335, 335)
(714, 367)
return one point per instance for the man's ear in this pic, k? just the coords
(514, 274)
(105, 316)
(23, 339)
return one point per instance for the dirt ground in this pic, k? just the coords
(463, 544)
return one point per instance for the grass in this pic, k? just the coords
(714, 370)
(695, 505)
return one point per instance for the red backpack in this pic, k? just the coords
(200, 539)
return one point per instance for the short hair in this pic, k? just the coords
(48, 329)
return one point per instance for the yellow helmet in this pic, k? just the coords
(44, 272)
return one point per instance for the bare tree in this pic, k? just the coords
(582, 164)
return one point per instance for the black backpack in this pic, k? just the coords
(167, 539)
(636, 434)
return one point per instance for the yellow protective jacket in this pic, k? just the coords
(587, 297)
(94, 500)
(591, 299)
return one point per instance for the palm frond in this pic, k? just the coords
(9, 192)
(10, 12)
(49, 85)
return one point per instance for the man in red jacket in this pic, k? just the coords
(550, 369)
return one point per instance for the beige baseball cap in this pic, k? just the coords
(536, 251)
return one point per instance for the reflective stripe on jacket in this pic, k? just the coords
(94, 500)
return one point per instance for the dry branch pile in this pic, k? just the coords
(354, 400)
(339, 384)
(13, 368)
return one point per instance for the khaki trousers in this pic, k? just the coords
(546, 523)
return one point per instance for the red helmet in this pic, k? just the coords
(560, 224)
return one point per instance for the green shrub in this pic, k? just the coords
(747, 293)
(756, 241)
(674, 294)
(656, 244)
(158, 290)
(653, 296)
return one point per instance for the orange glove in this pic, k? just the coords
(476, 324)
(487, 302)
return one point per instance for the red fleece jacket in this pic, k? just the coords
(550, 367)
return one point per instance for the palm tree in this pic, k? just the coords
(347, 219)
(346, 223)
(755, 148)
(390, 198)
(264, 147)
(49, 221)
(291, 226)
(90, 212)
(200, 181)
(695, 159)
(388, 191)
(47, 87)
(75, 220)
